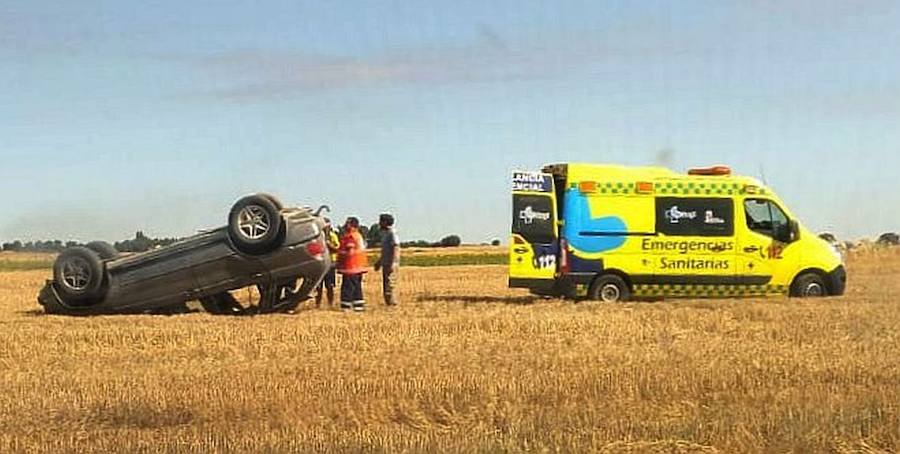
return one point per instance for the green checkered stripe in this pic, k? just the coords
(613, 187)
(702, 188)
(675, 188)
(707, 291)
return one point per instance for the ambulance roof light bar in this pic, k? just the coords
(710, 171)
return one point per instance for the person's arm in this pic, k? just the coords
(396, 241)
(346, 245)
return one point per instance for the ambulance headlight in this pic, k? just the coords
(837, 252)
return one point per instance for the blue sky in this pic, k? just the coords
(118, 116)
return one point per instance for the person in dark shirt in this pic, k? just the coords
(389, 262)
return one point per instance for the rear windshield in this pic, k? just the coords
(533, 218)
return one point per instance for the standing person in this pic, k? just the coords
(330, 280)
(389, 262)
(352, 263)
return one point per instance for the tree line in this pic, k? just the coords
(373, 236)
(142, 242)
(139, 243)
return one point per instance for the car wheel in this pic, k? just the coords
(79, 274)
(275, 200)
(255, 225)
(809, 285)
(105, 250)
(609, 288)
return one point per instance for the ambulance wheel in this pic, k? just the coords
(609, 288)
(809, 285)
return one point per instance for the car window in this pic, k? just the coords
(695, 216)
(533, 218)
(765, 217)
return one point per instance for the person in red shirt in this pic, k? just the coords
(352, 265)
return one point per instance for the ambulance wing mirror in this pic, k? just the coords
(794, 227)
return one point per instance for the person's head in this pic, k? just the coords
(385, 221)
(352, 223)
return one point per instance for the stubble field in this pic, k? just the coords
(464, 364)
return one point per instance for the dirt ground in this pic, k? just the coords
(463, 364)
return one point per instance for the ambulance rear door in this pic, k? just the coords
(534, 243)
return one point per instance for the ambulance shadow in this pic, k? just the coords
(479, 299)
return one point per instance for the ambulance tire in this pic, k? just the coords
(609, 288)
(809, 285)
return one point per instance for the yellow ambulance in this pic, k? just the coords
(614, 233)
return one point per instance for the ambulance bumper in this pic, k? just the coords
(565, 285)
(837, 281)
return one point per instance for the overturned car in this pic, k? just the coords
(278, 251)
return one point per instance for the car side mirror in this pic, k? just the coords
(794, 227)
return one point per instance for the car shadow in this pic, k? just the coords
(32, 312)
(479, 299)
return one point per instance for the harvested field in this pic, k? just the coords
(464, 364)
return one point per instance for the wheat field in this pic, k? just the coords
(463, 365)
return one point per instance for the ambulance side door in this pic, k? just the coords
(764, 235)
(695, 246)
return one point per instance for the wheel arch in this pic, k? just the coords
(615, 271)
(814, 270)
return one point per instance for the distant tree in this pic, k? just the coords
(416, 243)
(142, 242)
(495, 242)
(373, 236)
(450, 241)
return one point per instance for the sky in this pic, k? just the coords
(158, 115)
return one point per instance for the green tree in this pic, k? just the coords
(450, 241)
(373, 236)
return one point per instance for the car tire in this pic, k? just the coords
(275, 200)
(609, 288)
(809, 285)
(105, 250)
(255, 225)
(79, 274)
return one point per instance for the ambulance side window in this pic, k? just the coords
(766, 218)
(694, 216)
